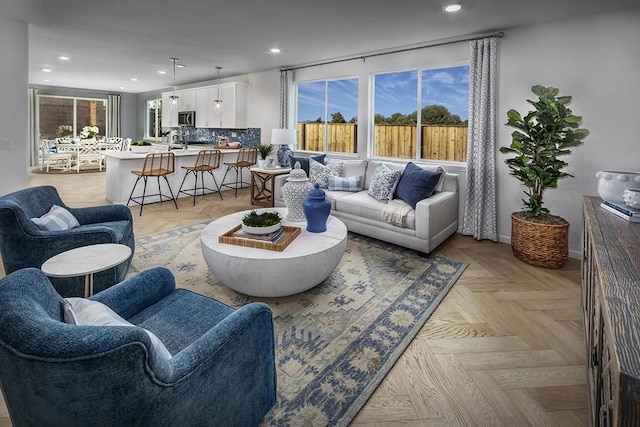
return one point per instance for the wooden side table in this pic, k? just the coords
(86, 260)
(263, 180)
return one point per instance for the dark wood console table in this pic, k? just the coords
(611, 305)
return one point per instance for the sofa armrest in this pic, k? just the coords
(435, 213)
(138, 292)
(280, 180)
(105, 213)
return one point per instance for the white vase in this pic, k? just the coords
(261, 163)
(611, 184)
(295, 192)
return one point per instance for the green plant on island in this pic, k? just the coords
(140, 143)
(540, 138)
(264, 150)
(265, 219)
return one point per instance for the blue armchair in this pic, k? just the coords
(222, 371)
(23, 244)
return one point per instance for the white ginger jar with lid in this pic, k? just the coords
(294, 192)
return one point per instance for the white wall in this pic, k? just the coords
(13, 106)
(596, 61)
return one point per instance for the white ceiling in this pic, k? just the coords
(112, 41)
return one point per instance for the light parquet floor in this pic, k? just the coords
(504, 348)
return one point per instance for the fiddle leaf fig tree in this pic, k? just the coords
(543, 135)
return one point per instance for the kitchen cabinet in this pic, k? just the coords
(169, 115)
(234, 106)
(611, 303)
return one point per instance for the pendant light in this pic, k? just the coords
(173, 105)
(218, 101)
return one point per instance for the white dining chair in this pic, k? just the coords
(54, 159)
(88, 153)
(126, 143)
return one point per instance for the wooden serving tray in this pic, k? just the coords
(290, 233)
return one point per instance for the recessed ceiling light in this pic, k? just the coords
(275, 50)
(133, 79)
(180, 65)
(64, 58)
(162, 72)
(45, 69)
(121, 87)
(47, 80)
(453, 7)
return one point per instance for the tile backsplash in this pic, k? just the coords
(247, 137)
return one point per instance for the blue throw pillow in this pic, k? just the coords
(416, 184)
(304, 161)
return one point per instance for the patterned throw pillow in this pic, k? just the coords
(350, 183)
(383, 183)
(81, 311)
(58, 218)
(319, 173)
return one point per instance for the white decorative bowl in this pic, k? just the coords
(611, 184)
(631, 198)
(261, 230)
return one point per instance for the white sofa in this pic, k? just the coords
(429, 224)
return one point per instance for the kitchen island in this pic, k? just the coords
(120, 180)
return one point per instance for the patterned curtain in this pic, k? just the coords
(286, 100)
(113, 116)
(33, 133)
(479, 218)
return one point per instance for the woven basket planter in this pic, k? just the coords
(542, 245)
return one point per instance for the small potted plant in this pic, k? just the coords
(140, 146)
(264, 151)
(261, 223)
(537, 237)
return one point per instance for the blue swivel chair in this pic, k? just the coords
(220, 371)
(23, 244)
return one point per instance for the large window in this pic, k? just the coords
(328, 115)
(153, 128)
(439, 132)
(61, 116)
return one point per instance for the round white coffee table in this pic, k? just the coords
(86, 260)
(305, 263)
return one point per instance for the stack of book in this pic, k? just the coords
(623, 211)
(269, 237)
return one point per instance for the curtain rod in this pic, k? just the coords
(372, 55)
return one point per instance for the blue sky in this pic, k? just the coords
(394, 92)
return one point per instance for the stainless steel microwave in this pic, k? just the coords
(187, 118)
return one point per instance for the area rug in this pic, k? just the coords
(336, 342)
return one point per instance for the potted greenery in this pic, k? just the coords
(537, 237)
(263, 223)
(140, 146)
(264, 151)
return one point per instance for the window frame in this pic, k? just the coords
(419, 98)
(325, 113)
(76, 130)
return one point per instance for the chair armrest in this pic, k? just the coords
(134, 294)
(105, 213)
(239, 343)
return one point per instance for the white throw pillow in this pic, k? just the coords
(58, 218)
(383, 183)
(319, 173)
(81, 311)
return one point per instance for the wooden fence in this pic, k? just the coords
(438, 142)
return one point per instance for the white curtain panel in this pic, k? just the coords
(33, 133)
(113, 116)
(479, 218)
(286, 100)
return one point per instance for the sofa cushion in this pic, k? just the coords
(304, 161)
(84, 312)
(416, 184)
(350, 183)
(443, 173)
(319, 173)
(57, 219)
(333, 195)
(353, 168)
(362, 205)
(383, 183)
(371, 168)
